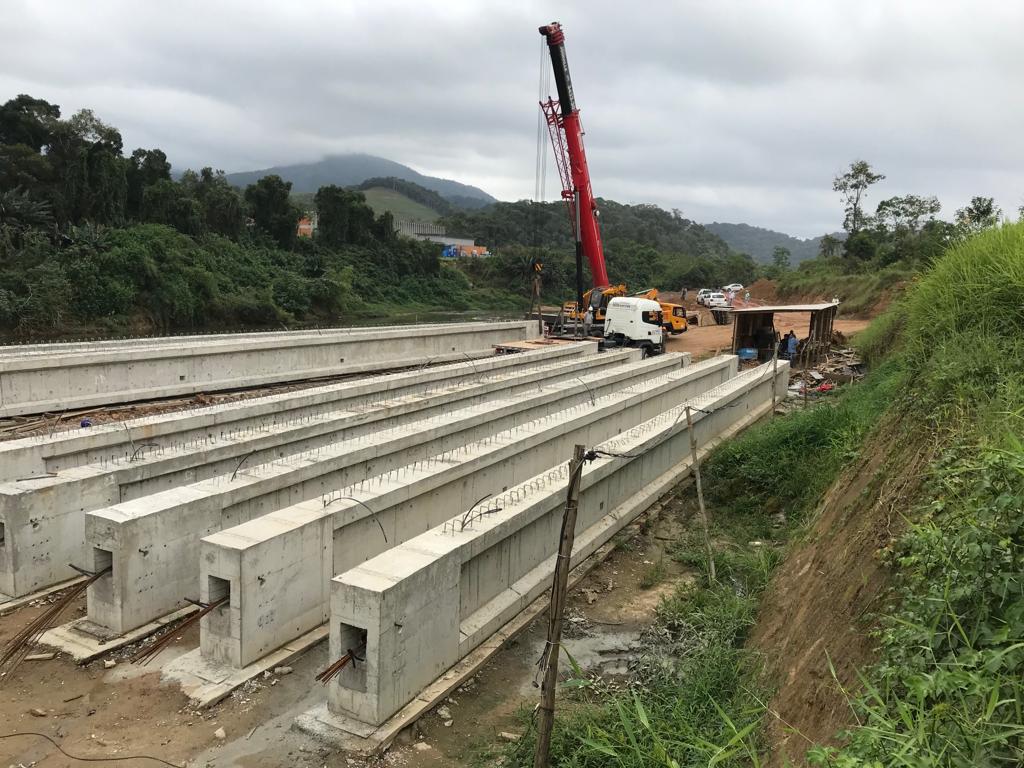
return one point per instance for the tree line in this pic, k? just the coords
(93, 238)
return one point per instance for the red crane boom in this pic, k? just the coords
(563, 119)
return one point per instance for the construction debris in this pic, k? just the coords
(840, 365)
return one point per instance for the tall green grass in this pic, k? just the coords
(948, 688)
(859, 292)
(964, 333)
(787, 464)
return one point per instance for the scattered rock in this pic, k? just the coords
(448, 723)
(36, 712)
(421, 746)
(509, 736)
(444, 713)
(109, 663)
(220, 734)
(282, 670)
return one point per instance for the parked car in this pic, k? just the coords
(734, 287)
(716, 299)
(702, 294)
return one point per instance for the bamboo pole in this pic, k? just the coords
(559, 585)
(700, 495)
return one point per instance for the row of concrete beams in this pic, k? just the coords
(144, 342)
(421, 606)
(276, 569)
(71, 446)
(56, 377)
(152, 543)
(43, 517)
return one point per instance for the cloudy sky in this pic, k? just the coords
(729, 111)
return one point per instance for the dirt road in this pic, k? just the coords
(707, 340)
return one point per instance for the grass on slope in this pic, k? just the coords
(859, 292)
(948, 689)
(382, 199)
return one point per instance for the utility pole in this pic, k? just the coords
(556, 608)
(700, 494)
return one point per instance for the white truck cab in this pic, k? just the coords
(635, 322)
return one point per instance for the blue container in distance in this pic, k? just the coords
(747, 353)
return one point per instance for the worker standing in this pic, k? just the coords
(791, 343)
(588, 321)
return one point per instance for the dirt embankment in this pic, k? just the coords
(817, 613)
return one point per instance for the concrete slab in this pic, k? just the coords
(206, 682)
(85, 641)
(55, 377)
(9, 603)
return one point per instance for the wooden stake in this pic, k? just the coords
(546, 718)
(775, 368)
(700, 494)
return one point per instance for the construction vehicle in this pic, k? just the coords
(673, 315)
(634, 322)
(566, 131)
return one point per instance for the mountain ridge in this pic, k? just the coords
(354, 168)
(760, 242)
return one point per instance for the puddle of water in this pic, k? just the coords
(605, 653)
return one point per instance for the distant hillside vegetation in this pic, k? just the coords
(351, 170)
(412, 191)
(382, 199)
(760, 242)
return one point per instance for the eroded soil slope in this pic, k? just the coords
(820, 603)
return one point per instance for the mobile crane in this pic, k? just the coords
(566, 132)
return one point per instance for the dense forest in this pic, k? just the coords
(96, 240)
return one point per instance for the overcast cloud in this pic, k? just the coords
(729, 111)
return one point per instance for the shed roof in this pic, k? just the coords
(786, 308)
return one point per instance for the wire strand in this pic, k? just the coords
(88, 759)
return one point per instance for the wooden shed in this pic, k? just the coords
(755, 328)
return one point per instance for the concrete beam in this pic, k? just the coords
(276, 568)
(44, 516)
(56, 377)
(423, 605)
(152, 542)
(71, 446)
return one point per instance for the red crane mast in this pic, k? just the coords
(563, 119)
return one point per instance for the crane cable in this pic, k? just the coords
(543, 90)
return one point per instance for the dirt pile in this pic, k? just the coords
(818, 608)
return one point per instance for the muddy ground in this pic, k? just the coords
(126, 711)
